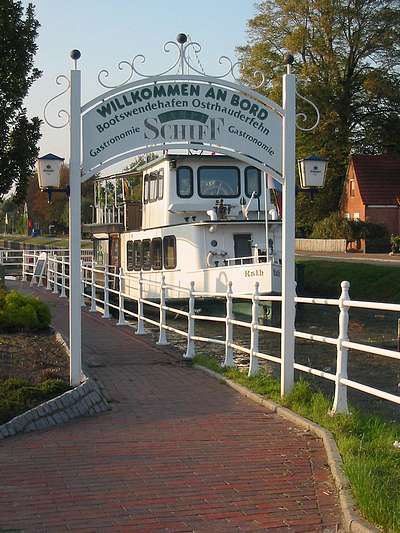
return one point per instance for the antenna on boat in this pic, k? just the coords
(181, 39)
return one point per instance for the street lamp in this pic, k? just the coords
(49, 174)
(312, 170)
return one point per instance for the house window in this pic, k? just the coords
(153, 187)
(347, 215)
(252, 181)
(156, 253)
(146, 189)
(169, 246)
(146, 259)
(352, 188)
(218, 182)
(356, 216)
(160, 192)
(129, 255)
(184, 182)
(137, 255)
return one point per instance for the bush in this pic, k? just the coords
(336, 227)
(18, 395)
(22, 313)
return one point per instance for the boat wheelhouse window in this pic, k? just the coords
(160, 192)
(153, 187)
(218, 182)
(252, 181)
(146, 189)
(169, 247)
(129, 255)
(146, 260)
(156, 253)
(137, 255)
(99, 254)
(184, 182)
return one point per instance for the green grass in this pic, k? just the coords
(365, 442)
(367, 282)
(55, 242)
(19, 395)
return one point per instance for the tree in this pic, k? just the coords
(347, 56)
(18, 134)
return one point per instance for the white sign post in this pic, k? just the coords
(184, 111)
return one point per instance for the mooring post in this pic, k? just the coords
(106, 309)
(190, 349)
(340, 400)
(93, 289)
(162, 339)
(254, 365)
(63, 293)
(229, 328)
(140, 325)
(121, 298)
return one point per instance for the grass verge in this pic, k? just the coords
(19, 395)
(370, 460)
(367, 281)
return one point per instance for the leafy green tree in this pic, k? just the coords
(18, 134)
(347, 58)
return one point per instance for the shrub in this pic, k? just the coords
(336, 227)
(23, 313)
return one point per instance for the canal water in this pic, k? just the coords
(377, 328)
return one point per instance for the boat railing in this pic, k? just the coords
(105, 290)
(250, 260)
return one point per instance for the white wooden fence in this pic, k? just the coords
(320, 245)
(105, 289)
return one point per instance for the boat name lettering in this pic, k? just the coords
(253, 273)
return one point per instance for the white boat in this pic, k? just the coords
(201, 220)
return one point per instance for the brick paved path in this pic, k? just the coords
(178, 452)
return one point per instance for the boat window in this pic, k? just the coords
(99, 255)
(146, 262)
(129, 255)
(160, 193)
(169, 246)
(153, 187)
(137, 255)
(184, 182)
(146, 189)
(252, 181)
(156, 253)
(218, 182)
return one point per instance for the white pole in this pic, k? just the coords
(288, 232)
(340, 401)
(162, 339)
(75, 230)
(63, 293)
(229, 328)
(266, 207)
(93, 290)
(121, 298)
(140, 309)
(254, 346)
(190, 349)
(106, 309)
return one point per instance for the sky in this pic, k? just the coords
(109, 31)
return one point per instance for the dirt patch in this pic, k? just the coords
(34, 357)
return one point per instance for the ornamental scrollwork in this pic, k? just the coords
(62, 113)
(304, 117)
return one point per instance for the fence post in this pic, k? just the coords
(48, 272)
(140, 324)
(340, 400)
(121, 298)
(106, 310)
(24, 278)
(32, 283)
(63, 293)
(190, 349)
(55, 275)
(254, 366)
(93, 290)
(229, 328)
(162, 339)
(83, 274)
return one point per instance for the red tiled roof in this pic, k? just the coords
(378, 178)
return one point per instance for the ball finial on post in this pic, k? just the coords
(289, 60)
(181, 38)
(75, 55)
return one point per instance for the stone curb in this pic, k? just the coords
(353, 522)
(84, 400)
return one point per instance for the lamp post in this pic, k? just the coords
(312, 171)
(49, 179)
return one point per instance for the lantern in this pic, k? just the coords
(48, 169)
(312, 171)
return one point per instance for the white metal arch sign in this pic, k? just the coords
(179, 112)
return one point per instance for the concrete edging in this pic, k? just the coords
(84, 400)
(353, 522)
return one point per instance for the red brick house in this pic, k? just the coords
(371, 190)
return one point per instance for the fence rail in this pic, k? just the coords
(98, 283)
